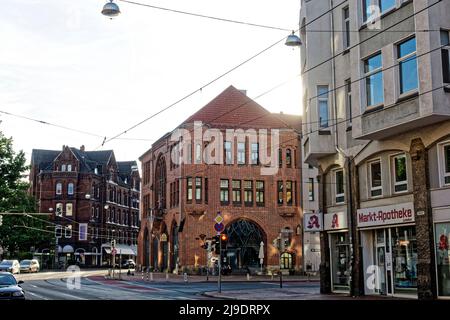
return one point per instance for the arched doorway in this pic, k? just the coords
(146, 252)
(155, 247)
(174, 247)
(244, 241)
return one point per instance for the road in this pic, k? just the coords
(93, 286)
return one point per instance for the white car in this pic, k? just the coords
(12, 266)
(29, 265)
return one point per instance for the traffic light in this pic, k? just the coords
(216, 244)
(1, 220)
(224, 239)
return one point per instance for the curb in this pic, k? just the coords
(206, 294)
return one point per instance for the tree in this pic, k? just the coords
(14, 238)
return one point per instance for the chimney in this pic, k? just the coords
(82, 148)
(244, 92)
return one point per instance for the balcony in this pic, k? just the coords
(318, 144)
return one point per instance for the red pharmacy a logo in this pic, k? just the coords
(335, 221)
(313, 222)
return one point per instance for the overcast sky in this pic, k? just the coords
(63, 62)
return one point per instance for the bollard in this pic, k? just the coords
(142, 274)
(185, 276)
(248, 276)
(151, 276)
(167, 275)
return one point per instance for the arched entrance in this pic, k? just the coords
(146, 246)
(155, 246)
(174, 247)
(244, 240)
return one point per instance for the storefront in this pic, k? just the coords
(336, 225)
(389, 249)
(441, 217)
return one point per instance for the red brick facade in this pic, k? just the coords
(186, 217)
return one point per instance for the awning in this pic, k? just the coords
(122, 249)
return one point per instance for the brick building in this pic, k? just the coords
(94, 199)
(205, 166)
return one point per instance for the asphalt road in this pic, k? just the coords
(53, 287)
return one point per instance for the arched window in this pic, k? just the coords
(288, 158)
(286, 260)
(160, 184)
(70, 188)
(59, 188)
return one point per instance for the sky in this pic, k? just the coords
(65, 63)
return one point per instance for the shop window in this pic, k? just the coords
(376, 188)
(340, 260)
(280, 192)
(400, 174)
(442, 234)
(248, 193)
(224, 191)
(236, 185)
(339, 186)
(404, 251)
(260, 193)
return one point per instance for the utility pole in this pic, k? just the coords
(220, 265)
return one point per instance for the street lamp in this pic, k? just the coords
(111, 9)
(293, 40)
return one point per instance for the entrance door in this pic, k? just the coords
(380, 260)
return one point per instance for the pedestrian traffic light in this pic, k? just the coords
(1, 220)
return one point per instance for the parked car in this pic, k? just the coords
(10, 288)
(129, 264)
(29, 266)
(12, 266)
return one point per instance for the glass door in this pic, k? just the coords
(404, 262)
(380, 259)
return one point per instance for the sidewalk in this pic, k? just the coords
(170, 277)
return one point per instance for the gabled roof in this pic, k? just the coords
(43, 158)
(89, 160)
(233, 108)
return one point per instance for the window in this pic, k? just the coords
(63, 167)
(339, 186)
(375, 179)
(248, 192)
(206, 190)
(311, 189)
(289, 193)
(198, 153)
(348, 93)
(445, 52)
(288, 158)
(346, 17)
(97, 212)
(59, 188)
(260, 193)
(69, 209)
(280, 192)
(189, 189)
(446, 163)
(407, 63)
(236, 185)
(400, 174)
(255, 153)
(374, 80)
(322, 100)
(70, 188)
(224, 192)
(189, 152)
(198, 189)
(58, 231)
(241, 152)
(68, 231)
(228, 152)
(69, 167)
(59, 210)
(280, 158)
(82, 232)
(383, 5)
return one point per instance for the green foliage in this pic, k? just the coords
(14, 198)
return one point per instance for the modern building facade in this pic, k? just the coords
(376, 124)
(231, 157)
(92, 199)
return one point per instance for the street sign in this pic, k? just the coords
(218, 219)
(219, 227)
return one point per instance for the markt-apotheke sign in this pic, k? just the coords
(379, 216)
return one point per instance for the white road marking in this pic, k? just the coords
(274, 284)
(71, 296)
(36, 295)
(33, 285)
